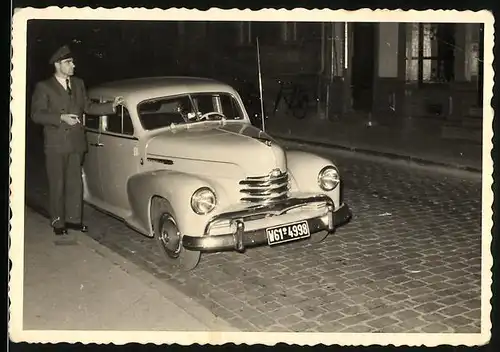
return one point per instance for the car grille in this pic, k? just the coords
(265, 189)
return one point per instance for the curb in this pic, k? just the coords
(187, 304)
(387, 155)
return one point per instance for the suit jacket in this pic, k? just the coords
(50, 100)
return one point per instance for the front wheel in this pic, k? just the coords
(169, 239)
(318, 237)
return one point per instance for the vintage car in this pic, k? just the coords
(180, 162)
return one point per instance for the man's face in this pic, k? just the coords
(66, 67)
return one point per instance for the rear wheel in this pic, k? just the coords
(169, 238)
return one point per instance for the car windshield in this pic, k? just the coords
(163, 112)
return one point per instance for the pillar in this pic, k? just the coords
(333, 90)
(389, 71)
(465, 90)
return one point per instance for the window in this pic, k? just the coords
(430, 52)
(92, 122)
(269, 33)
(230, 107)
(215, 102)
(164, 112)
(204, 103)
(120, 122)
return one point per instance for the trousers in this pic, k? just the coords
(64, 171)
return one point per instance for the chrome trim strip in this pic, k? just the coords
(269, 209)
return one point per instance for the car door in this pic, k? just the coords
(118, 159)
(92, 175)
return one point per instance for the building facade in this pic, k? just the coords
(386, 69)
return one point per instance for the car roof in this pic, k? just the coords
(143, 88)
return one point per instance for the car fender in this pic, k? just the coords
(176, 188)
(304, 168)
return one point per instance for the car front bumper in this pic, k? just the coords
(239, 237)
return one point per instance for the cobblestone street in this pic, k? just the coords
(409, 260)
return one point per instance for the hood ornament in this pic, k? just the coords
(265, 141)
(275, 173)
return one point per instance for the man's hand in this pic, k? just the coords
(70, 119)
(117, 101)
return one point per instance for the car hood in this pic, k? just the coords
(241, 144)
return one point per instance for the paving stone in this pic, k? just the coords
(434, 317)
(330, 326)
(330, 316)
(277, 328)
(447, 301)
(359, 328)
(285, 311)
(311, 313)
(474, 314)
(247, 311)
(428, 307)
(261, 321)
(456, 321)
(469, 296)
(356, 319)
(453, 310)
(383, 310)
(268, 307)
(427, 298)
(342, 277)
(289, 320)
(406, 314)
(395, 297)
(335, 306)
(435, 327)
(412, 323)
(467, 329)
(391, 329)
(304, 326)
(353, 310)
(380, 323)
(379, 293)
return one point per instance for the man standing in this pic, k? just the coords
(58, 104)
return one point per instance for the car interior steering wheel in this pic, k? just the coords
(212, 113)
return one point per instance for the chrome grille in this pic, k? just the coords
(265, 189)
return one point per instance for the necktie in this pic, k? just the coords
(68, 87)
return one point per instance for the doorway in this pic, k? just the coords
(363, 67)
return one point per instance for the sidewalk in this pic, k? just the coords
(78, 284)
(418, 140)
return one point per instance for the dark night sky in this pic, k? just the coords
(108, 50)
(103, 49)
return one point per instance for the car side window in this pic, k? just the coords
(120, 122)
(92, 122)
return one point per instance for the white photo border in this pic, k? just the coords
(17, 169)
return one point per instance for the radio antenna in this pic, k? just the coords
(260, 87)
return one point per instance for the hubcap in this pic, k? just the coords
(169, 236)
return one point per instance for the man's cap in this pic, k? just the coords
(61, 54)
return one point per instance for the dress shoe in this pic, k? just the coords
(59, 231)
(77, 227)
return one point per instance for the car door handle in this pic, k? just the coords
(97, 144)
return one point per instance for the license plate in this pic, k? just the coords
(288, 232)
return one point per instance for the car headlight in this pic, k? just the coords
(203, 201)
(328, 178)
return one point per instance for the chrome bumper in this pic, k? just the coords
(239, 238)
